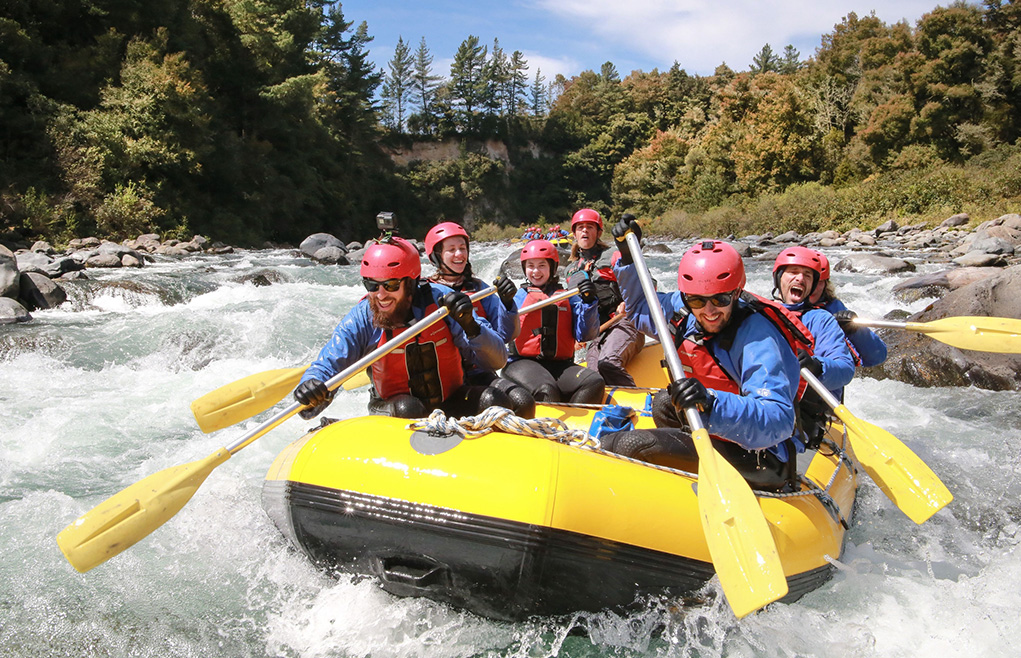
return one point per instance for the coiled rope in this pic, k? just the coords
(500, 418)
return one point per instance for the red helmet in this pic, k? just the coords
(395, 258)
(439, 233)
(709, 268)
(541, 249)
(824, 270)
(586, 215)
(803, 256)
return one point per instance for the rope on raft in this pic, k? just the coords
(503, 419)
(500, 418)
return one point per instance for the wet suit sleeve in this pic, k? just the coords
(353, 338)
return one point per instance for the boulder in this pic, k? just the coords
(10, 283)
(313, 243)
(876, 263)
(332, 255)
(886, 227)
(42, 247)
(960, 219)
(940, 283)
(980, 259)
(918, 359)
(354, 246)
(658, 248)
(38, 291)
(11, 311)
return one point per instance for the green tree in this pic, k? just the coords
(424, 87)
(765, 61)
(468, 82)
(397, 85)
(538, 95)
(790, 63)
(517, 83)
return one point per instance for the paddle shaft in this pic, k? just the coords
(673, 360)
(552, 299)
(334, 382)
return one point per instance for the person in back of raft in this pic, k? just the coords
(796, 271)
(446, 246)
(738, 352)
(870, 348)
(426, 372)
(618, 341)
(542, 356)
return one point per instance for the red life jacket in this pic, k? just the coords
(547, 333)
(698, 361)
(428, 366)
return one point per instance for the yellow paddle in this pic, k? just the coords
(128, 516)
(740, 542)
(232, 403)
(900, 473)
(969, 332)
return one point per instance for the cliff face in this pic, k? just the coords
(451, 150)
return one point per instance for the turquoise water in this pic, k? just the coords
(95, 396)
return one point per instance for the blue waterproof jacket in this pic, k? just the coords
(870, 346)
(585, 316)
(356, 336)
(830, 347)
(759, 360)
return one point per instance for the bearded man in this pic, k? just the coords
(426, 372)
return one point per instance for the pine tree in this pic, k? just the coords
(791, 61)
(765, 61)
(539, 94)
(497, 80)
(397, 85)
(424, 85)
(517, 83)
(468, 81)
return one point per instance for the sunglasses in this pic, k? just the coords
(719, 301)
(390, 285)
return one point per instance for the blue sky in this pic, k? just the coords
(570, 36)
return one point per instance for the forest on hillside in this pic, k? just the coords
(259, 120)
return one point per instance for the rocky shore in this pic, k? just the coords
(982, 277)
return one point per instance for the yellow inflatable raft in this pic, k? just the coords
(510, 526)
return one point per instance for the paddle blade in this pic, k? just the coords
(899, 472)
(128, 516)
(977, 333)
(741, 545)
(232, 403)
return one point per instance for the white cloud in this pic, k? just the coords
(700, 35)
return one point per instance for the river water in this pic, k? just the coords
(95, 396)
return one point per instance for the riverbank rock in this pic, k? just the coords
(940, 283)
(38, 291)
(10, 277)
(11, 311)
(923, 361)
(875, 263)
(318, 241)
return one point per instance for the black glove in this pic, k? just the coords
(689, 392)
(587, 291)
(460, 308)
(313, 393)
(620, 229)
(845, 319)
(506, 289)
(810, 363)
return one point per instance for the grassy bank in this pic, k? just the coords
(986, 187)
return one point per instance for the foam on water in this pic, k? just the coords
(93, 401)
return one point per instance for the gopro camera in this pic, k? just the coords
(385, 221)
